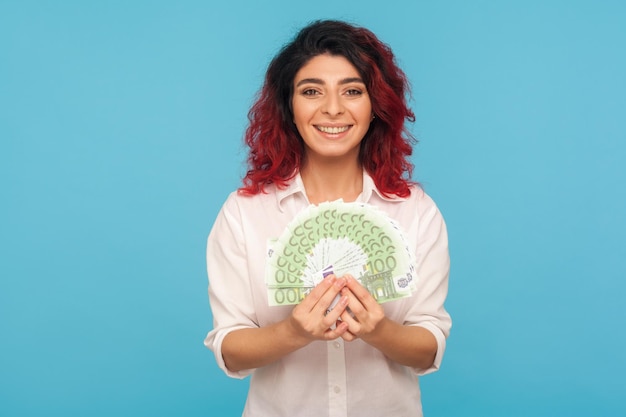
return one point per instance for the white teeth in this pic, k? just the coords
(333, 130)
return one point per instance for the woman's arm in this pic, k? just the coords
(418, 340)
(255, 347)
(412, 346)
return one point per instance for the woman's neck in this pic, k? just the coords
(332, 180)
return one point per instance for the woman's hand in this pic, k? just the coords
(356, 315)
(364, 315)
(312, 320)
(251, 348)
(412, 346)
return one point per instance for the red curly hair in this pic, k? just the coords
(276, 148)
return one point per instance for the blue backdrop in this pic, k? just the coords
(121, 126)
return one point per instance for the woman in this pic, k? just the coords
(329, 124)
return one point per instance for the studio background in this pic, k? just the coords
(121, 128)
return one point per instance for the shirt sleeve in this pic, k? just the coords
(433, 270)
(229, 285)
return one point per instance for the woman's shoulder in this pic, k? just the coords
(421, 199)
(418, 193)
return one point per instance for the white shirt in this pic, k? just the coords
(335, 378)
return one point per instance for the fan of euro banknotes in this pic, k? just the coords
(339, 238)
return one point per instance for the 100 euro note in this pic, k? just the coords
(339, 238)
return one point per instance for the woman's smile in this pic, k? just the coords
(332, 130)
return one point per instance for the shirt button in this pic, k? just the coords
(337, 345)
(337, 390)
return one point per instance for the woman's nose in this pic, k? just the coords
(332, 105)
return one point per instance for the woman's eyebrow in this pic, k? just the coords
(321, 82)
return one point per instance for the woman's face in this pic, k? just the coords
(331, 108)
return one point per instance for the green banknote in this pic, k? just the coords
(339, 238)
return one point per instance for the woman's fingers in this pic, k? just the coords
(360, 292)
(363, 313)
(331, 296)
(317, 314)
(323, 294)
(338, 307)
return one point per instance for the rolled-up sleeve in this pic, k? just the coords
(229, 286)
(433, 270)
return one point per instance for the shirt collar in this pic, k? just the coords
(296, 187)
(369, 188)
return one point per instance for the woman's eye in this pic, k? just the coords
(309, 92)
(354, 92)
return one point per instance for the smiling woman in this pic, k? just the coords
(332, 112)
(329, 126)
(276, 147)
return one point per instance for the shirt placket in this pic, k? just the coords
(337, 392)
